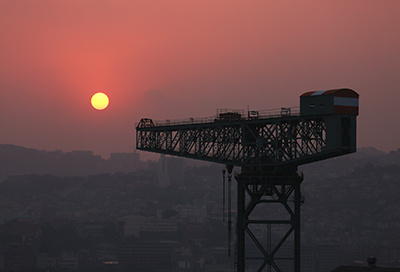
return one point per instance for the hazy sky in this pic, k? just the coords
(172, 59)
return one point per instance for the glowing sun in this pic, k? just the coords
(100, 101)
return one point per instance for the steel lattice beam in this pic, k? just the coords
(275, 141)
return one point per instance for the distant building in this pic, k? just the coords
(20, 257)
(191, 213)
(219, 261)
(133, 224)
(160, 229)
(136, 225)
(170, 171)
(182, 258)
(44, 261)
(370, 267)
(145, 256)
(96, 229)
(69, 261)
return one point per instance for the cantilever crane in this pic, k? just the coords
(268, 146)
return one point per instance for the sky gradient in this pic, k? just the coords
(177, 59)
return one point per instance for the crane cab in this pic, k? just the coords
(339, 101)
(340, 109)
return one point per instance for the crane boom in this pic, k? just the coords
(286, 138)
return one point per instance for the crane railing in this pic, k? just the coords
(223, 115)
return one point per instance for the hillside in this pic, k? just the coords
(17, 160)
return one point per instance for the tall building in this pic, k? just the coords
(170, 171)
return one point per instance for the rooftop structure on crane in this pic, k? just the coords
(268, 146)
(339, 101)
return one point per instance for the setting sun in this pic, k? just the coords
(100, 101)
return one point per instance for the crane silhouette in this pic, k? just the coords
(268, 146)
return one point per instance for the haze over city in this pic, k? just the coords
(76, 77)
(178, 59)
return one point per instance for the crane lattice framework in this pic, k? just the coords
(268, 146)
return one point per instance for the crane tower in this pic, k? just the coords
(268, 146)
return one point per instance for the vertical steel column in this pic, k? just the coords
(266, 188)
(240, 225)
(297, 203)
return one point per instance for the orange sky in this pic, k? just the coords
(176, 59)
